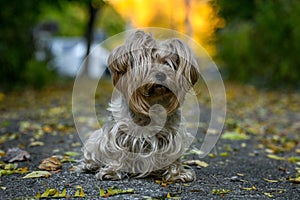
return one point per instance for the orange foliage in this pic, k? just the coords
(195, 18)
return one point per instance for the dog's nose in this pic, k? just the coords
(160, 76)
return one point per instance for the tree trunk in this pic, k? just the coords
(89, 34)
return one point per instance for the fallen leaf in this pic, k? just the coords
(114, 191)
(224, 154)
(68, 159)
(163, 183)
(36, 143)
(50, 164)
(196, 162)
(268, 194)
(234, 135)
(295, 180)
(294, 159)
(195, 151)
(101, 192)
(249, 189)
(211, 155)
(38, 174)
(272, 156)
(168, 195)
(79, 192)
(76, 144)
(16, 154)
(220, 191)
(8, 169)
(2, 153)
(270, 181)
(72, 153)
(49, 192)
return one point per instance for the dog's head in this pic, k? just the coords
(147, 72)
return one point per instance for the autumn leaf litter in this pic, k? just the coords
(258, 155)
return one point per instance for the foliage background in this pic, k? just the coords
(260, 42)
(255, 41)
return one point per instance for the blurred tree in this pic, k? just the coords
(196, 18)
(18, 20)
(16, 42)
(260, 43)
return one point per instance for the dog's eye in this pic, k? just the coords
(169, 63)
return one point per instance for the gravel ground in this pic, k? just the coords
(237, 169)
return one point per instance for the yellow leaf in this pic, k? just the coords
(72, 153)
(38, 174)
(250, 189)
(195, 152)
(79, 192)
(52, 191)
(196, 162)
(102, 192)
(224, 154)
(268, 194)
(295, 180)
(270, 181)
(168, 195)
(115, 190)
(63, 193)
(294, 159)
(220, 191)
(234, 135)
(46, 193)
(272, 156)
(36, 143)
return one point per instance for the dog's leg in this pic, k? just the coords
(177, 173)
(109, 173)
(87, 166)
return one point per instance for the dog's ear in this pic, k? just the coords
(186, 63)
(118, 63)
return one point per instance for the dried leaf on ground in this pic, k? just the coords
(272, 156)
(234, 135)
(50, 164)
(114, 191)
(249, 189)
(36, 143)
(72, 153)
(220, 191)
(16, 154)
(38, 174)
(195, 151)
(295, 180)
(270, 181)
(79, 192)
(12, 168)
(67, 159)
(53, 193)
(196, 162)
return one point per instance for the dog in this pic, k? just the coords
(145, 134)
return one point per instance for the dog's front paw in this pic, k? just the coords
(85, 166)
(186, 175)
(108, 174)
(177, 173)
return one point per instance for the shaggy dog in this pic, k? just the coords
(145, 133)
